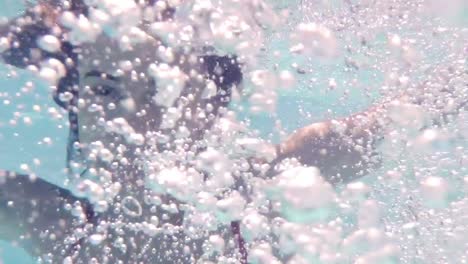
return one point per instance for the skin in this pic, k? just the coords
(343, 150)
(132, 98)
(129, 97)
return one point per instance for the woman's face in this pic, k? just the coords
(121, 87)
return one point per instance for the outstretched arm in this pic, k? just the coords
(342, 149)
(346, 149)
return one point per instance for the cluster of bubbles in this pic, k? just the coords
(180, 203)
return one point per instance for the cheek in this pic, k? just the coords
(85, 122)
(91, 127)
(93, 109)
(141, 114)
(89, 130)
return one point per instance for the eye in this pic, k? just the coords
(103, 89)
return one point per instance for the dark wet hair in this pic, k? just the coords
(226, 73)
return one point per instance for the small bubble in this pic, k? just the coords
(287, 79)
(24, 167)
(65, 96)
(435, 191)
(4, 44)
(395, 40)
(49, 43)
(106, 155)
(27, 120)
(96, 239)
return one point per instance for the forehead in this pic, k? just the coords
(106, 54)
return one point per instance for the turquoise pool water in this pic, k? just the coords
(21, 142)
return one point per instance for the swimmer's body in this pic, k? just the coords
(339, 148)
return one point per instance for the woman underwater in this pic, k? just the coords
(114, 100)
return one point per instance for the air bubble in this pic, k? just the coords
(96, 239)
(65, 96)
(4, 44)
(435, 191)
(205, 166)
(315, 39)
(49, 43)
(287, 79)
(131, 206)
(304, 194)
